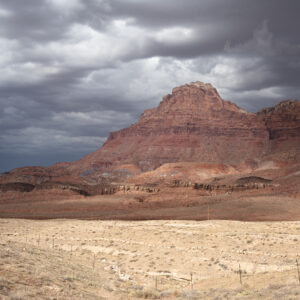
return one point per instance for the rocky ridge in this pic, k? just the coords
(191, 126)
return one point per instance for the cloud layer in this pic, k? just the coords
(74, 70)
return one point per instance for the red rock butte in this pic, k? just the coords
(194, 124)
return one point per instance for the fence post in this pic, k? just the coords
(240, 272)
(192, 281)
(298, 270)
(208, 210)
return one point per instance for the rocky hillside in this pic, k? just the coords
(283, 123)
(191, 125)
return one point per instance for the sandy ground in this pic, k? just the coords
(76, 259)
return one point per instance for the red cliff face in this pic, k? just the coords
(193, 124)
(283, 124)
(282, 120)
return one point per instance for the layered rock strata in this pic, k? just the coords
(193, 124)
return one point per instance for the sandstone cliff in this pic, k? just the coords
(193, 124)
(283, 123)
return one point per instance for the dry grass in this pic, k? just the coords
(71, 259)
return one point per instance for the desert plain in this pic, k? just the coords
(167, 208)
(158, 259)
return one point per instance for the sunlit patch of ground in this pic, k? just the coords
(72, 259)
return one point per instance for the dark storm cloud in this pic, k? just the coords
(221, 20)
(48, 20)
(73, 70)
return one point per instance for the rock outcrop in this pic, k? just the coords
(282, 120)
(283, 124)
(193, 124)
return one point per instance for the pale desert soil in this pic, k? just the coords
(72, 259)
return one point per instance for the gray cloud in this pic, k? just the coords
(74, 70)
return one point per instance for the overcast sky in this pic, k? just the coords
(71, 71)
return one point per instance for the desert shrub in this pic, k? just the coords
(190, 295)
(3, 283)
(148, 294)
(274, 286)
(17, 296)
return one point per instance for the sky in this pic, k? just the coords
(71, 71)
